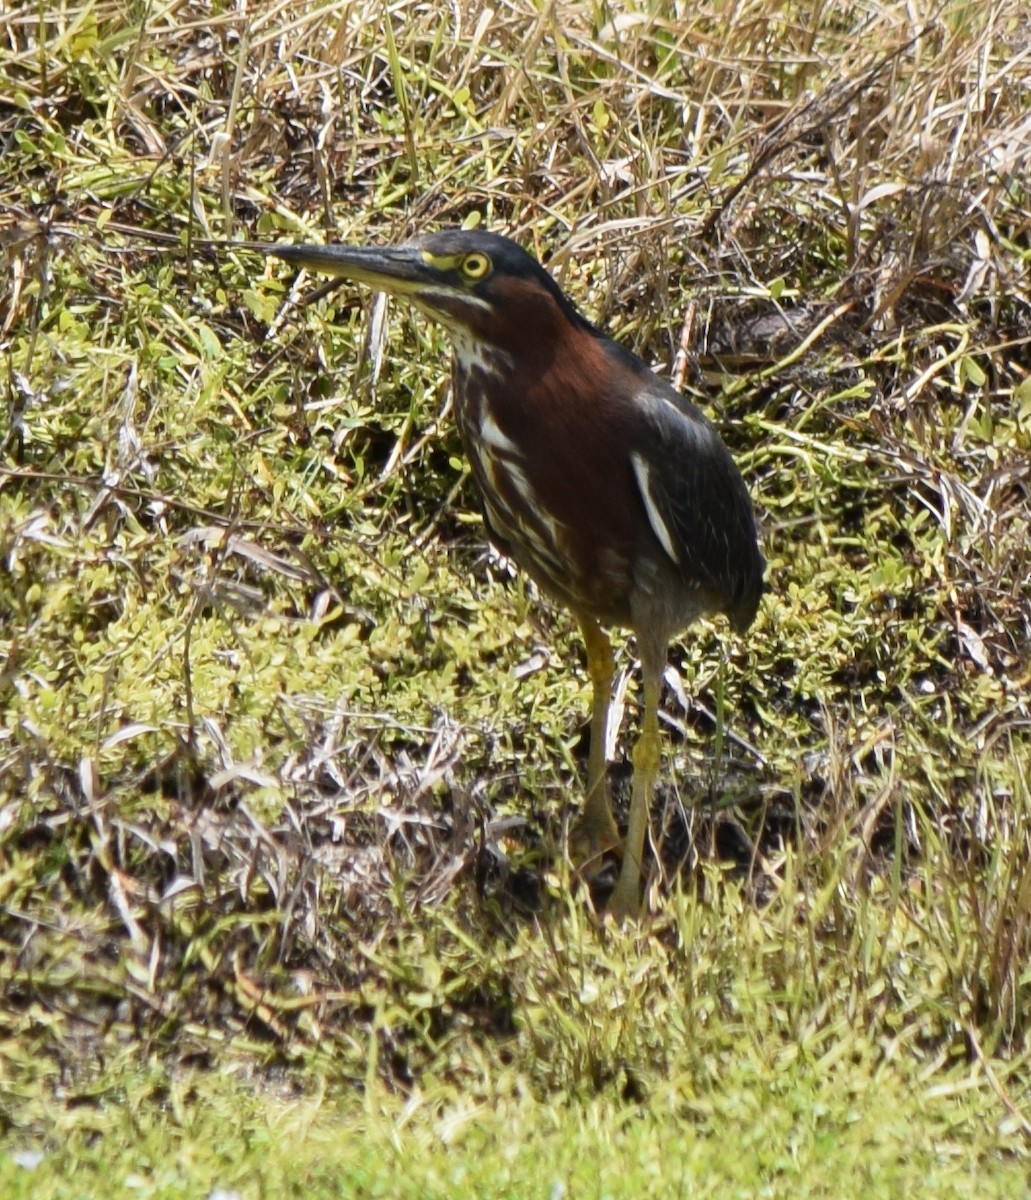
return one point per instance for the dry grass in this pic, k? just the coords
(280, 764)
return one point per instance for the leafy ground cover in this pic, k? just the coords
(287, 757)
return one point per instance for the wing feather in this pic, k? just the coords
(697, 502)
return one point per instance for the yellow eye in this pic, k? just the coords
(475, 265)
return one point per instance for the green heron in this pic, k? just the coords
(613, 492)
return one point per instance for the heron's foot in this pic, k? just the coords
(625, 902)
(597, 852)
(591, 840)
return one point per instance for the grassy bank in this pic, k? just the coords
(288, 758)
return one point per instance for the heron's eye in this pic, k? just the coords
(475, 265)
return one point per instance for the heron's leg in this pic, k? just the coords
(597, 828)
(625, 900)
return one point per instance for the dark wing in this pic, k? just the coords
(697, 503)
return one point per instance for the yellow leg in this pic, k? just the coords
(596, 831)
(625, 900)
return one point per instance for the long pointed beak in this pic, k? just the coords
(400, 270)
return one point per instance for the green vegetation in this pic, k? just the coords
(287, 759)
